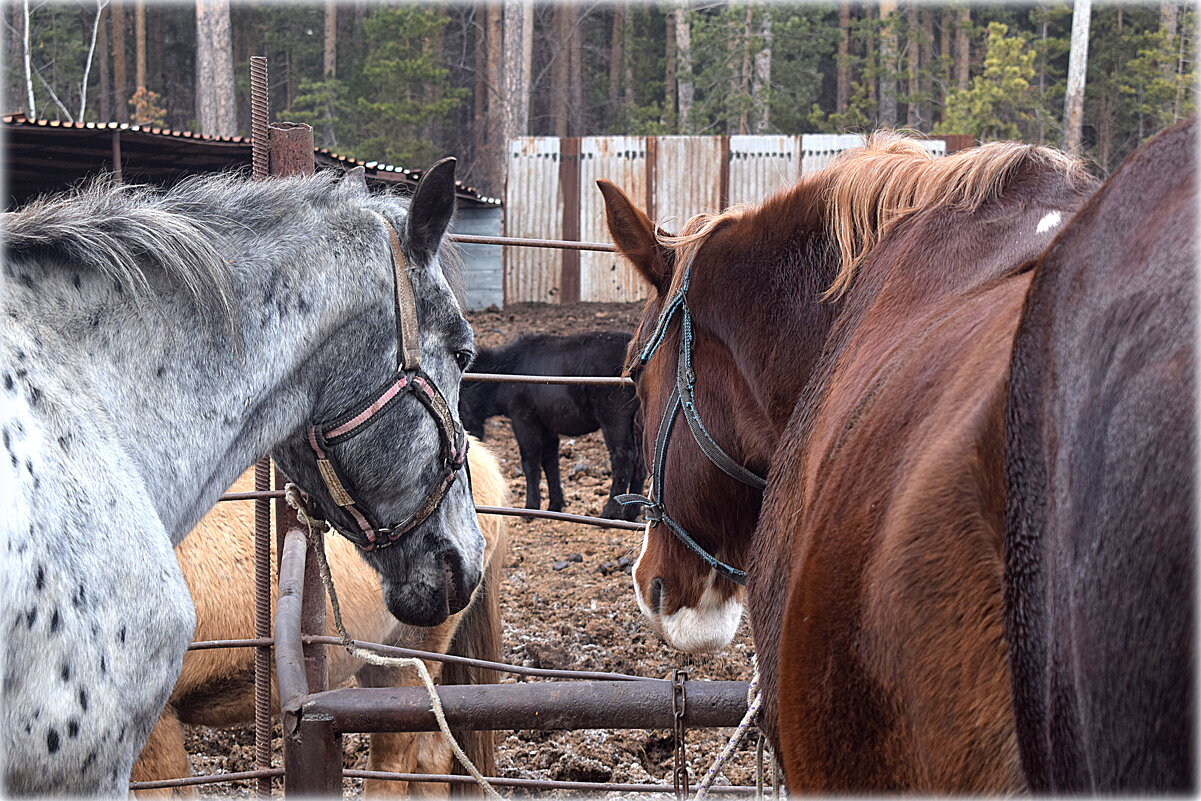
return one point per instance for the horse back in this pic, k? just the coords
(892, 659)
(1100, 472)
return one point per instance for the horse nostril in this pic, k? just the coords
(452, 582)
(656, 594)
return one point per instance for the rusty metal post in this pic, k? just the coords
(117, 155)
(291, 153)
(291, 148)
(312, 748)
(313, 754)
(262, 482)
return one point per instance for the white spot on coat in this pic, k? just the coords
(1048, 222)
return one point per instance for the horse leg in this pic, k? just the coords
(400, 752)
(550, 464)
(637, 471)
(164, 757)
(529, 443)
(618, 436)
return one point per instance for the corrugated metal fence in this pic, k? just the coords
(551, 194)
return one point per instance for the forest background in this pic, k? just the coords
(405, 83)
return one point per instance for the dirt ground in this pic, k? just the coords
(576, 617)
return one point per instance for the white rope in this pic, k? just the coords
(754, 701)
(296, 501)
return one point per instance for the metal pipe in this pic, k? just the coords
(289, 649)
(599, 522)
(537, 705)
(541, 784)
(216, 778)
(522, 242)
(259, 150)
(312, 758)
(577, 380)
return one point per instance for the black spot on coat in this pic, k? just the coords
(52, 740)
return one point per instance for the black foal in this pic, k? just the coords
(541, 412)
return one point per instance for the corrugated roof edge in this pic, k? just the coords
(22, 120)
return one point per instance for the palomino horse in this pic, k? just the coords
(1100, 479)
(768, 297)
(216, 687)
(154, 345)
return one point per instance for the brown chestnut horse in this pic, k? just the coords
(1100, 479)
(216, 687)
(774, 291)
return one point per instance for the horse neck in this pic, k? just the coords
(772, 326)
(192, 400)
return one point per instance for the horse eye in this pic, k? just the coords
(464, 357)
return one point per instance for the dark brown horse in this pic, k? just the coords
(1101, 456)
(772, 289)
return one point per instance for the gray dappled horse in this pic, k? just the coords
(153, 346)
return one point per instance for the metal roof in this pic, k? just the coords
(49, 155)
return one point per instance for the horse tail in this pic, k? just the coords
(479, 632)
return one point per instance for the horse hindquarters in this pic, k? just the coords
(892, 665)
(1101, 524)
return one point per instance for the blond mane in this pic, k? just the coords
(868, 190)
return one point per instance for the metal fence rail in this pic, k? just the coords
(315, 719)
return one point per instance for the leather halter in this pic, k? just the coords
(683, 399)
(408, 379)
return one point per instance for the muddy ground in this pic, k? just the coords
(576, 617)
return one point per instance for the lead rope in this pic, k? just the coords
(296, 501)
(753, 700)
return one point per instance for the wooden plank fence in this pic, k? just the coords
(551, 193)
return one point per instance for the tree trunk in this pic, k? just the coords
(105, 101)
(870, 61)
(577, 110)
(1073, 104)
(518, 26)
(26, 45)
(214, 69)
(925, 82)
(684, 85)
(120, 79)
(564, 17)
(139, 43)
(743, 88)
(493, 156)
(912, 56)
(669, 118)
(94, 29)
(963, 51)
(616, 59)
(888, 62)
(329, 61)
(842, 95)
(1168, 25)
(761, 89)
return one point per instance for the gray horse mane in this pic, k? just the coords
(128, 231)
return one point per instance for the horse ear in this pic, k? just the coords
(635, 237)
(355, 182)
(431, 208)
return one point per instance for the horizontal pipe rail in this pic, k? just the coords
(599, 522)
(395, 650)
(214, 778)
(577, 380)
(542, 784)
(522, 242)
(537, 705)
(510, 511)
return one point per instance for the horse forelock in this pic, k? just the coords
(869, 190)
